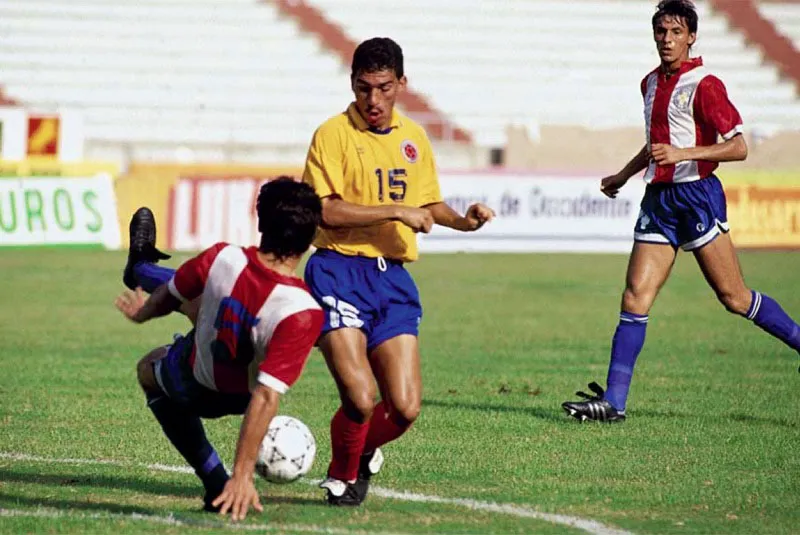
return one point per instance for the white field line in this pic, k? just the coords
(46, 512)
(519, 511)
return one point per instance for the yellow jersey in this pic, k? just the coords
(365, 166)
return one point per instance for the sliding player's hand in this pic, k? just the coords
(611, 185)
(478, 215)
(664, 154)
(417, 219)
(129, 303)
(237, 497)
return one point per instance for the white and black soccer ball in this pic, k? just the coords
(287, 451)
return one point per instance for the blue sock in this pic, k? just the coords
(150, 276)
(625, 348)
(185, 431)
(769, 315)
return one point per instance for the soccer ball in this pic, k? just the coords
(287, 451)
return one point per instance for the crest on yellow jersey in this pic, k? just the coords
(409, 150)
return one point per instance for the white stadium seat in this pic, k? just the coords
(153, 75)
(171, 73)
(785, 17)
(551, 61)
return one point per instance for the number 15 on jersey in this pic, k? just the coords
(396, 184)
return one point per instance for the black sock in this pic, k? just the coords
(185, 431)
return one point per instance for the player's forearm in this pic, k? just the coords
(337, 213)
(445, 216)
(261, 410)
(638, 163)
(160, 303)
(732, 150)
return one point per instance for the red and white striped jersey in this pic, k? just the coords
(688, 109)
(254, 324)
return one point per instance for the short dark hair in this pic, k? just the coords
(289, 213)
(377, 54)
(682, 9)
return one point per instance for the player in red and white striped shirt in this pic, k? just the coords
(686, 109)
(255, 327)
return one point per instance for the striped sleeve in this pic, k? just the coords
(288, 349)
(190, 279)
(713, 107)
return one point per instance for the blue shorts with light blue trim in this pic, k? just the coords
(175, 377)
(687, 215)
(376, 295)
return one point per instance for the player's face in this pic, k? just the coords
(375, 94)
(673, 40)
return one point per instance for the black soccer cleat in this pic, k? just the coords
(208, 499)
(208, 508)
(214, 483)
(142, 232)
(369, 465)
(343, 494)
(595, 407)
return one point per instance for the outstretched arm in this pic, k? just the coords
(240, 492)
(286, 355)
(337, 213)
(139, 308)
(638, 163)
(611, 185)
(477, 215)
(186, 286)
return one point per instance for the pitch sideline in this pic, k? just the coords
(519, 511)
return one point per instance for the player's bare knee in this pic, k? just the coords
(144, 370)
(637, 300)
(406, 413)
(735, 302)
(358, 405)
(145, 376)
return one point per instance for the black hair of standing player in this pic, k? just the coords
(680, 9)
(289, 213)
(377, 54)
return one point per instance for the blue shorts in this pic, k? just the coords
(176, 379)
(375, 295)
(687, 215)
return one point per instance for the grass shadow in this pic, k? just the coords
(292, 500)
(145, 486)
(60, 504)
(555, 414)
(737, 417)
(193, 517)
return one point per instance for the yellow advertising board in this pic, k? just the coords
(155, 186)
(734, 176)
(200, 202)
(763, 207)
(764, 216)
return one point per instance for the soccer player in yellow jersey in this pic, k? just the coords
(375, 172)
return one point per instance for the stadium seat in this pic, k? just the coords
(554, 62)
(152, 76)
(210, 75)
(786, 18)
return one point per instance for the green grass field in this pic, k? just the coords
(710, 445)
